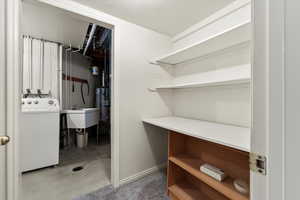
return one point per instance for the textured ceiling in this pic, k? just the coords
(165, 16)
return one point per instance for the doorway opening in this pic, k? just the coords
(65, 125)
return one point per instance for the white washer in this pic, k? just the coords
(39, 133)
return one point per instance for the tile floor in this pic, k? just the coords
(61, 183)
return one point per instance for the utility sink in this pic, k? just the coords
(82, 117)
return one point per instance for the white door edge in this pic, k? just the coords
(12, 93)
(268, 97)
(3, 168)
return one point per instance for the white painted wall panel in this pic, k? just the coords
(224, 104)
(205, 68)
(52, 24)
(80, 68)
(141, 146)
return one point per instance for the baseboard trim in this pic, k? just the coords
(142, 174)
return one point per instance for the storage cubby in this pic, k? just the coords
(187, 154)
(183, 186)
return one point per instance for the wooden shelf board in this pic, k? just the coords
(227, 135)
(192, 166)
(206, 84)
(234, 36)
(186, 191)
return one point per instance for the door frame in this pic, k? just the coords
(268, 113)
(109, 22)
(13, 104)
(268, 97)
(14, 50)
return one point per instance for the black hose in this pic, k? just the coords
(81, 89)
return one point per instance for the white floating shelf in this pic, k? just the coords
(205, 84)
(227, 135)
(228, 76)
(231, 37)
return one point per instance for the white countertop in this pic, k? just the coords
(228, 135)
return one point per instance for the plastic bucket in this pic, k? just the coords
(82, 139)
(86, 139)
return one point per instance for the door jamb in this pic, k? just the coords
(268, 93)
(110, 22)
(14, 92)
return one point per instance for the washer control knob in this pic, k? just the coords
(23, 102)
(51, 102)
(29, 102)
(36, 102)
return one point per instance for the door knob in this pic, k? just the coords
(4, 140)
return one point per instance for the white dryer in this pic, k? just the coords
(39, 133)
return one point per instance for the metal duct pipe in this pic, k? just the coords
(90, 38)
(103, 37)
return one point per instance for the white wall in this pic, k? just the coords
(226, 104)
(141, 146)
(52, 24)
(80, 68)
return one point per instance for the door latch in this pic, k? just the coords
(4, 140)
(258, 163)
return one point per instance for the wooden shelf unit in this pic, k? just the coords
(187, 154)
(192, 166)
(183, 186)
(187, 191)
(229, 38)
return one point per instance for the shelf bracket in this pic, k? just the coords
(162, 64)
(153, 63)
(152, 90)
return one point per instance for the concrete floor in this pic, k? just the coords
(61, 183)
